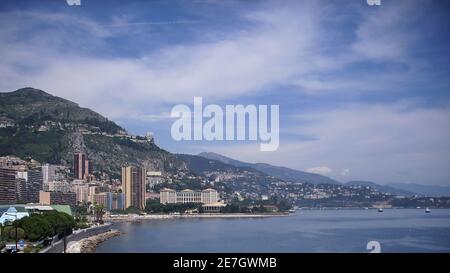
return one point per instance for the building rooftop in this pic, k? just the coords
(209, 189)
(11, 215)
(217, 204)
(167, 189)
(62, 208)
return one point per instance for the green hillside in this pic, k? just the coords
(51, 129)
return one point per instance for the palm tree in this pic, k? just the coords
(99, 211)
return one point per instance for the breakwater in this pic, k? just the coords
(58, 247)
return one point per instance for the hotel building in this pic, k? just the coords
(169, 196)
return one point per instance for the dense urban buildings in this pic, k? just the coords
(81, 189)
(7, 186)
(60, 186)
(111, 201)
(169, 196)
(133, 187)
(28, 185)
(57, 198)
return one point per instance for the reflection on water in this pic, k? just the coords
(397, 230)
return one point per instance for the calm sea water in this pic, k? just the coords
(397, 230)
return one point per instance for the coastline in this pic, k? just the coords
(135, 217)
(89, 244)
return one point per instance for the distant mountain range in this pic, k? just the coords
(287, 174)
(282, 173)
(422, 189)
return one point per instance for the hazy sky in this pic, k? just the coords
(364, 91)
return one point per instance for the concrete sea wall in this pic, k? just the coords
(78, 235)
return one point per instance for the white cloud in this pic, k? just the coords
(323, 170)
(243, 62)
(383, 34)
(345, 172)
(384, 143)
(295, 45)
(287, 45)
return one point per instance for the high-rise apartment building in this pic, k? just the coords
(48, 173)
(34, 185)
(133, 187)
(7, 186)
(82, 167)
(21, 187)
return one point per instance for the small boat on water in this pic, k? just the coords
(380, 210)
(427, 210)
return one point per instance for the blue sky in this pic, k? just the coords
(363, 90)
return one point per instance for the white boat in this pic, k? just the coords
(427, 210)
(380, 210)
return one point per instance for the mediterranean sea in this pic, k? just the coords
(333, 230)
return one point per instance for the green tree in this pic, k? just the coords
(20, 233)
(40, 226)
(59, 221)
(1, 232)
(133, 210)
(6, 232)
(36, 228)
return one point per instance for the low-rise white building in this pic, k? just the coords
(169, 196)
